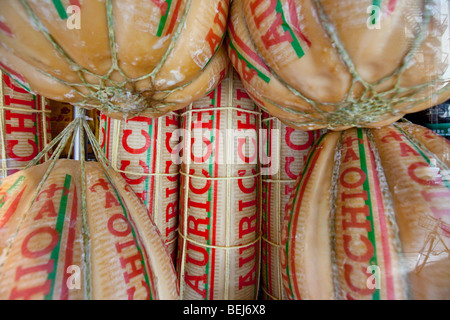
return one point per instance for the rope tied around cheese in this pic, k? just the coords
(58, 144)
(266, 182)
(226, 246)
(371, 106)
(388, 207)
(111, 95)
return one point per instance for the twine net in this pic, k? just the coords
(77, 133)
(365, 103)
(104, 92)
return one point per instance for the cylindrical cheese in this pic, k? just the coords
(284, 150)
(25, 125)
(219, 243)
(140, 149)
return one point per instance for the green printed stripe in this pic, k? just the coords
(60, 8)
(376, 3)
(214, 53)
(59, 228)
(207, 284)
(144, 265)
(295, 44)
(104, 137)
(162, 22)
(11, 189)
(368, 202)
(19, 81)
(249, 65)
(150, 128)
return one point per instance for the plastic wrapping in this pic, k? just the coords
(303, 62)
(140, 149)
(286, 148)
(219, 243)
(370, 218)
(122, 57)
(25, 126)
(73, 230)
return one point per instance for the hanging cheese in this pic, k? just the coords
(65, 235)
(123, 57)
(369, 218)
(339, 64)
(284, 153)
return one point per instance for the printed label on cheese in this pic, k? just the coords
(45, 246)
(26, 129)
(288, 149)
(141, 150)
(219, 227)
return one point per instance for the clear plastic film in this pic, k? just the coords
(302, 61)
(98, 54)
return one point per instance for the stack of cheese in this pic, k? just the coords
(283, 156)
(141, 150)
(25, 125)
(219, 224)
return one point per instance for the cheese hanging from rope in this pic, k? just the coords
(284, 151)
(108, 248)
(219, 223)
(25, 129)
(140, 149)
(369, 219)
(123, 57)
(339, 64)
